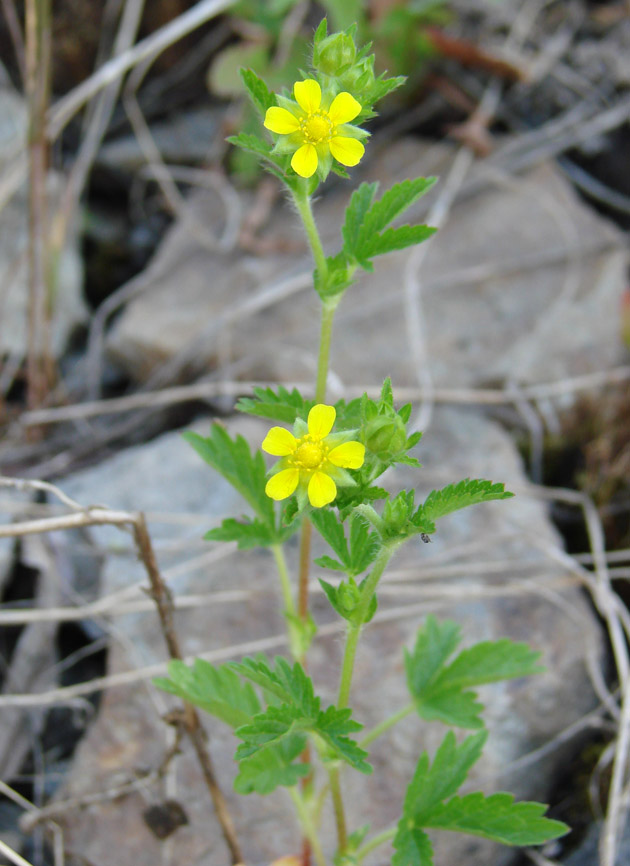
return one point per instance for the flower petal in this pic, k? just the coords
(344, 108)
(304, 161)
(279, 442)
(320, 420)
(350, 455)
(308, 95)
(281, 121)
(282, 485)
(321, 490)
(347, 151)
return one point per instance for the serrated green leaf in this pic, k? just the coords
(247, 533)
(440, 690)
(392, 204)
(232, 459)
(217, 690)
(330, 563)
(354, 557)
(491, 661)
(291, 685)
(278, 405)
(433, 783)
(356, 211)
(496, 817)
(412, 847)
(253, 144)
(435, 642)
(391, 240)
(453, 497)
(271, 768)
(258, 91)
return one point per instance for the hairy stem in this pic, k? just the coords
(354, 631)
(285, 582)
(303, 204)
(377, 840)
(307, 826)
(386, 724)
(340, 815)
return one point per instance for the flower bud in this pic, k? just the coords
(334, 54)
(348, 595)
(386, 435)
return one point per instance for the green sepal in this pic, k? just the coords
(345, 599)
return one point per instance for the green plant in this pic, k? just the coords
(326, 477)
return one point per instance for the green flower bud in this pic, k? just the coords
(386, 435)
(334, 54)
(348, 595)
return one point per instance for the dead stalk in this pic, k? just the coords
(161, 595)
(39, 365)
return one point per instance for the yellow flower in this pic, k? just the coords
(315, 132)
(314, 463)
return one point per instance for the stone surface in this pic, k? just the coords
(523, 283)
(517, 596)
(69, 308)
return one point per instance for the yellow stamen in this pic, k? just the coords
(316, 127)
(309, 455)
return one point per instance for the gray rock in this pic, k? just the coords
(523, 283)
(520, 599)
(69, 308)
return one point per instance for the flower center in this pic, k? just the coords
(316, 127)
(309, 455)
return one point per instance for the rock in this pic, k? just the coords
(69, 308)
(523, 283)
(520, 598)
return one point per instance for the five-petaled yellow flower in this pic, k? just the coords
(315, 132)
(314, 463)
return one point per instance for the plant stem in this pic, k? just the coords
(323, 360)
(303, 204)
(307, 826)
(305, 561)
(285, 583)
(340, 815)
(386, 724)
(377, 840)
(354, 631)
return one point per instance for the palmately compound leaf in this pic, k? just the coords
(217, 690)
(441, 691)
(497, 817)
(431, 802)
(276, 405)
(232, 459)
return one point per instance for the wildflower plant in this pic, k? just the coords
(329, 458)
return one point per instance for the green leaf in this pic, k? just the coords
(247, 533)
(271, 768)
(258, 91)
(440, 690)
(353, 558)
(413, 847)
(217, 690)
(232, 459)
(498, 818)
(456, 496)
(278, 405)
(356, 211)
(391, 240)
(253, 144)
(299, 712)
(392, 204)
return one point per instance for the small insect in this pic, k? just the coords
(426, 538)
